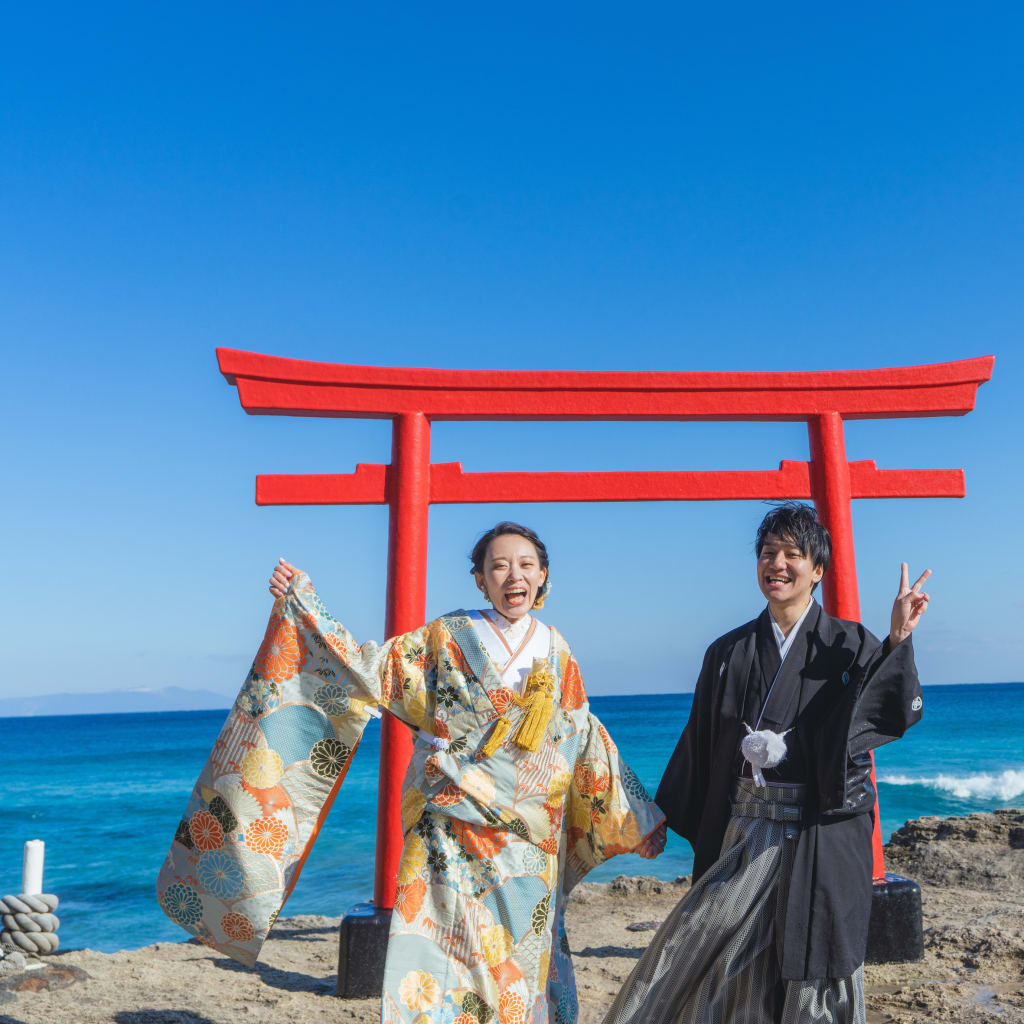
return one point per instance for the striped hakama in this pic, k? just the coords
(716, 957)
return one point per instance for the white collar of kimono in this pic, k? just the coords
(513, 631)
(510, 654)
(785, 642)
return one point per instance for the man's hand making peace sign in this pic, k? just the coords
(910, 604)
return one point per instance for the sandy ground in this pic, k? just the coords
(971, 872)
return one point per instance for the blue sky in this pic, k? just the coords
(591, 187)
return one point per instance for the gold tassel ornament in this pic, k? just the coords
(537, 702)
(497, 737)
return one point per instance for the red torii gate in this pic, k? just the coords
(412, 398)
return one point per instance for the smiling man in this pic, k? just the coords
(771, 784)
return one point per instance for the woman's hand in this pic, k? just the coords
(654, 843)
(910, 604)
(282, 573)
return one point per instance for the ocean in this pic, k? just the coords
(106, 793)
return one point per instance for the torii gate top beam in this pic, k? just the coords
(298, 387)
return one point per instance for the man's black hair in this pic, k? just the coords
(797, 523)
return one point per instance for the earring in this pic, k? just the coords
(543, 595)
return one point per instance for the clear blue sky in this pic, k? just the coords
(588, 186)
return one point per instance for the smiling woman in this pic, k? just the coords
(510, 565)
(514, 792)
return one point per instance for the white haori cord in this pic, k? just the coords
(762, 748)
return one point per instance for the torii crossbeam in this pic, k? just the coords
(413, 398)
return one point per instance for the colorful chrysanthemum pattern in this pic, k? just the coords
(237, 927)
(267, 835)
(328, 757)
(414, 859)
(449, 795)
(419, 990)
(409, 899)
(511, 1009)
(332, 699)
(220, 810)
(183, 904)
(479, 840)
(220, 874)
(259, 696)
(261, 768)
(632, 784)
(205, 831)
(279, 656)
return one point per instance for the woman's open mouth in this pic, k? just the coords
(516, 596)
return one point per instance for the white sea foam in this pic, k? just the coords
(1005, 785)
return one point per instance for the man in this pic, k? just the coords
(774, 927)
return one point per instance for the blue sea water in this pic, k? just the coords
(106, 792)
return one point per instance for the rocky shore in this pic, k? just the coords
(971, 872)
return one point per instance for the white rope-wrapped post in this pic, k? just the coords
(28, 924)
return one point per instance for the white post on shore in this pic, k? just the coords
(32, 868)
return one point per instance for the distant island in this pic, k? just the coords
(112, 702)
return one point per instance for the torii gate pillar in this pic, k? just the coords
(411, 398)
(363, 936)
(832, 494)
(409, 504)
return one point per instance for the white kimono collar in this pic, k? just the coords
(512, 631)
(785, 642)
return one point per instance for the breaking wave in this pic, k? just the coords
(1005, 785)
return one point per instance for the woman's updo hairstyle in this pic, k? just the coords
(479, 552)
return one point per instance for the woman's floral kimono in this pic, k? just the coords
(493, 845)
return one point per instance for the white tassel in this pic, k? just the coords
(374, 712)
(763, 749)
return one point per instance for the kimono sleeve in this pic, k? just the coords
(889, 700)
(684, 785)
(608, 810)
(275, 769)
(399, 675)
(882, 701)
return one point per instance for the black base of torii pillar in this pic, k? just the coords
(362, 948)
(895, 933)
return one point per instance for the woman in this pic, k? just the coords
(515, 791)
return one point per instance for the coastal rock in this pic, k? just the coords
(981, 851)
(629, 887)
(12, 961)
(45, 979)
